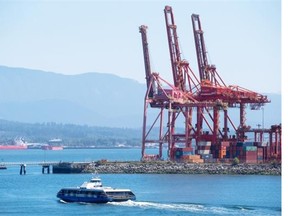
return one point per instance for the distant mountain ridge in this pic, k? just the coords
(98, 99)
(90, 98)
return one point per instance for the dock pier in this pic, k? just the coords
(23, 169)
(49, 167)
(45, 167)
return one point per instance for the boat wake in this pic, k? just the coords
(167, 206)
(174, 207)
(62, 201)
(195, 209)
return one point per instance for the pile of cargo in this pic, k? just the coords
(246, 152)
(220, 151)
(208, 158)
(192, 159)
(186, 155)
(249, 154)
(203, 147)
(204, 150)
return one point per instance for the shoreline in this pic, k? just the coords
(168, 167)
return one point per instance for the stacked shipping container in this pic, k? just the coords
(204, 150)
(246, 152)
(203, 147)
(220, 150)
(186, 155)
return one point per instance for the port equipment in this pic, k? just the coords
(213, 88)
(171, 102)
(204, 97)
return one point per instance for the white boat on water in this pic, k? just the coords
(115, 194)
(94, 192)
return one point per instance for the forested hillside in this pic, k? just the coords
(72, 135)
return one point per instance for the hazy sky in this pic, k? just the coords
(243, 38)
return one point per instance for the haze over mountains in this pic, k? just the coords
(90, 98)
(35, 96)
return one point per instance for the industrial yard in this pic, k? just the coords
(195, 109)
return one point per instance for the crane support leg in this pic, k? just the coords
(216, 124)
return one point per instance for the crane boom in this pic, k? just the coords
(200, 47)
(207, 72)
(175, 55)
(143, 31)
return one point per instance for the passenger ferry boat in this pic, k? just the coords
(115, 194)
(83, 195)
(94, 192)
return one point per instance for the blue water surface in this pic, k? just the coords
(169, 194)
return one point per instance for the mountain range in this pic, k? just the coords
(98, 99)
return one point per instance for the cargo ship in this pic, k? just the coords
(53, 144)
(18, 144)
(49, 147)
(13, 147)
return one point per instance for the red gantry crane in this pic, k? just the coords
(176, 102)
(213, 87)
(170, 102)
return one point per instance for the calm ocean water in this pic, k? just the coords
(35, 193)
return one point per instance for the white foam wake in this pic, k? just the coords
(166, 206)
(183, 207)
(62, 201)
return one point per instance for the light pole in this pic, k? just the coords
(263, 118)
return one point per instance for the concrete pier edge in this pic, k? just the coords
(168, 167)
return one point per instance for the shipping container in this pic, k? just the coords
(222, 154)
(192, 159)
(249, 148)
(204, 147)
(206, 156)
(204, 143)
(225, 143)
(203, 151)
(242, 144)
(260, 151)
(187, 149)
(210, 160)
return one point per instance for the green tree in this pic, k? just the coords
(235, 161)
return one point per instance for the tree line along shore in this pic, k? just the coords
(168, 167)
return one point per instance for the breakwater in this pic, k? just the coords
(168, 167)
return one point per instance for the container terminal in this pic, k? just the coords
(198, 102)
(183, 110)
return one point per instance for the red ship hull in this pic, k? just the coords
(55, 148)
(12, 147)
